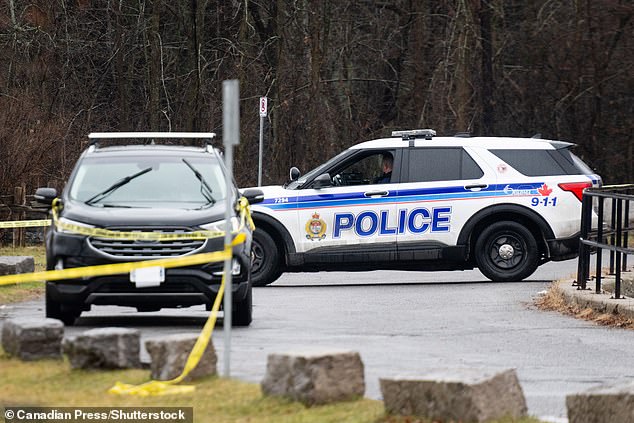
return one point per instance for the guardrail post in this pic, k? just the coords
(587, 209)
(600, 241)
(582, 268)
(626, 231)
(619, 217)
(612, 238)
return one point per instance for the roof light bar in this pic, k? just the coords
(415, 133)
(119, 135)
(95, 137)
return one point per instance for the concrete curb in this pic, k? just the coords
(603, 302)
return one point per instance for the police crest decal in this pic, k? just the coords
(316, 228)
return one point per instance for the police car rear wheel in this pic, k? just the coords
(506, 251)
(265, 259)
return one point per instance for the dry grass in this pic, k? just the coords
(554, 300)
(53, 383)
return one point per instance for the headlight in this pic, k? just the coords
(65, 221)
(235, 269)
(220, 225)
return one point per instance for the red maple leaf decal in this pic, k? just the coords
(544, 190)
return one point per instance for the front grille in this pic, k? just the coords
(146, 249)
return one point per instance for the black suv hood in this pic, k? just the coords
(117, 217)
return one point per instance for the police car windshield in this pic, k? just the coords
(316, 171)
(166, 182)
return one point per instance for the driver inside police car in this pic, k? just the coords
(386, 166)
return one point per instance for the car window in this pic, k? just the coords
(170, 182)
(580, 167)
(316, 171)
(441, 164)
(364, 170)
(543, 162)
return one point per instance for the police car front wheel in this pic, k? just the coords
(265, 259)
(506, 251)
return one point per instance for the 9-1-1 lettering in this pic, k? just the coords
(545, 201)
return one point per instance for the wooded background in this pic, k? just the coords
(336, 73)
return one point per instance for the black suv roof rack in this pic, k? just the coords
(150, 137)
(414, 133)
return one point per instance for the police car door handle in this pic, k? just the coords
(476, 187)
(376, 194)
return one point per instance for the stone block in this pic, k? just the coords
(104, 348)
(315, 377)
(169, 355)
(12, 265)
(467, 395)
(610, 403)
(33, 338)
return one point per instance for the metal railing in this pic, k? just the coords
(610, 231)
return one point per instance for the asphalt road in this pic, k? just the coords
(403, 323)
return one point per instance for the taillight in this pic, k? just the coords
(576, 188)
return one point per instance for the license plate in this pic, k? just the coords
(147, 276)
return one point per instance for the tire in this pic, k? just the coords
(506, 251)
(265, 259)
(242, 312)
(56, 310)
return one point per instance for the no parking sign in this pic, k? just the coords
(264, 104)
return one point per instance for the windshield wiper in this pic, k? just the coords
(115, 206)
(205, 189)
(112, 188)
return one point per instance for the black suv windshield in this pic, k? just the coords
(170, 182)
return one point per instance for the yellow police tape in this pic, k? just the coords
(243, 208)
(155, 387)
(25, 223)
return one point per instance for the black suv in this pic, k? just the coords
(161, 186)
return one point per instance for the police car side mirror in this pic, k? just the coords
(253, 195)
(45, 196)
(322, 181)
(294, 173)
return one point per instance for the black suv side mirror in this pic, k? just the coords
(322, 181)
(45, 195)
(253, 195)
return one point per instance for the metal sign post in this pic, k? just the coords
(231, 137)
(264, 104)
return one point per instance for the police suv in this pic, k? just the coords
(503, 205)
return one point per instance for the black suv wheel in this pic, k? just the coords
(56, 310)
(242, 312)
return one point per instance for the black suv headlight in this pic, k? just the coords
(220, 225)
(64, 220)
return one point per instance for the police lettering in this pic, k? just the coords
(416, 221)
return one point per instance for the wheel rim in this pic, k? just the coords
(257, 256)
(507, 251)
